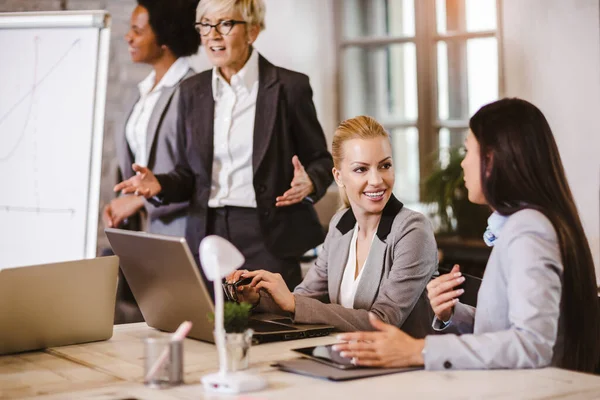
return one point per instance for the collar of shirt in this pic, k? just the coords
(244, 79)
(174, 74)
(495, 224)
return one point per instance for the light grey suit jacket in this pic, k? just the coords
(162, 149)
(402, 260)
(516, 323)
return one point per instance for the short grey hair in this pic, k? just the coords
(252, 11)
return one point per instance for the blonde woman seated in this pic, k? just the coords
(537, 305)
(378, 255)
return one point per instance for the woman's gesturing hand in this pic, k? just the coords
(442, 295)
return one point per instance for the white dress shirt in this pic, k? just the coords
(136, 130)
(349, 284)
(235, 110)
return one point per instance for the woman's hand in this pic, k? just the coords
(143, 183)
(442, 295)
(245, 293)
(390, 347)
(120, 208)
(300, 187)
(275, 286)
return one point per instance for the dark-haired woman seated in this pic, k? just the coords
(537, 304)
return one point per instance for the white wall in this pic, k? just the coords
(552, 58)
(299, 35)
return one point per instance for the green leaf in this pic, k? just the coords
(445, 187)
(235, 316)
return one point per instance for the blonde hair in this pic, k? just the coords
(252, 11)
(361, 127)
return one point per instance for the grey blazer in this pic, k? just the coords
(402, 260)
(162, 150)
(516, 323)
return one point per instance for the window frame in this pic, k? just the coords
(425, 40)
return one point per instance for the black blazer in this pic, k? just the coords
(285, 125)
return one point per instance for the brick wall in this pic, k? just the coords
(122, 79)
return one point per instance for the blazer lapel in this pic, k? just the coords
(337, 264)
(266, 110)
(339, 254)
(124, 155)
(371, 276)
(202, 115)
(156, 118)
(375, 264)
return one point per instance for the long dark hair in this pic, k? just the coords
(526, 172)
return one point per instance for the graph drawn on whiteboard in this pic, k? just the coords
(46, 125)
(8, 150)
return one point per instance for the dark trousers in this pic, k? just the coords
(241, 227)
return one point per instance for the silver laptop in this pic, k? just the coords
(168, 288)
(57, 304)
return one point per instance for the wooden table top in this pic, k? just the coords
(113, 370)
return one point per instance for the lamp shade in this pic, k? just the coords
(219, 257)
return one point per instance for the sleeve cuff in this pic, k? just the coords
(434, 357)
(439, 325)
(157, 200)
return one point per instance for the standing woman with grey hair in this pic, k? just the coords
(255, 157)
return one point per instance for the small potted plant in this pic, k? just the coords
(238, 337)
(445, 188)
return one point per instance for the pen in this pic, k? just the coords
(179, 334)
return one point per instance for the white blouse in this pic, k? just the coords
(349, 284)
(235, 112)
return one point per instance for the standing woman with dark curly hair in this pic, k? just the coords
(162, 35)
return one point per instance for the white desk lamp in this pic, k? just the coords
(220, 258)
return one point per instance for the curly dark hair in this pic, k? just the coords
(173, 24)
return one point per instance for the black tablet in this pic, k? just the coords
(326, 355)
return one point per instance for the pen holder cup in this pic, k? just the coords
(237, 347)
(163, 365)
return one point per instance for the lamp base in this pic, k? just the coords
(233, 382)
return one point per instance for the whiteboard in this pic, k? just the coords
(52, 96)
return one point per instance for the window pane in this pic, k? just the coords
(381, 82)
(442, 88)
(465, 15)
(449, 139)
(467, 76)
(481, 15)
(405, 147)
(452, 80)
(362, 18)
(482, 56)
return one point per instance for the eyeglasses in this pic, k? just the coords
(222, 27)
(231, 288)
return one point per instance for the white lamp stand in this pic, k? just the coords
(220, 258)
